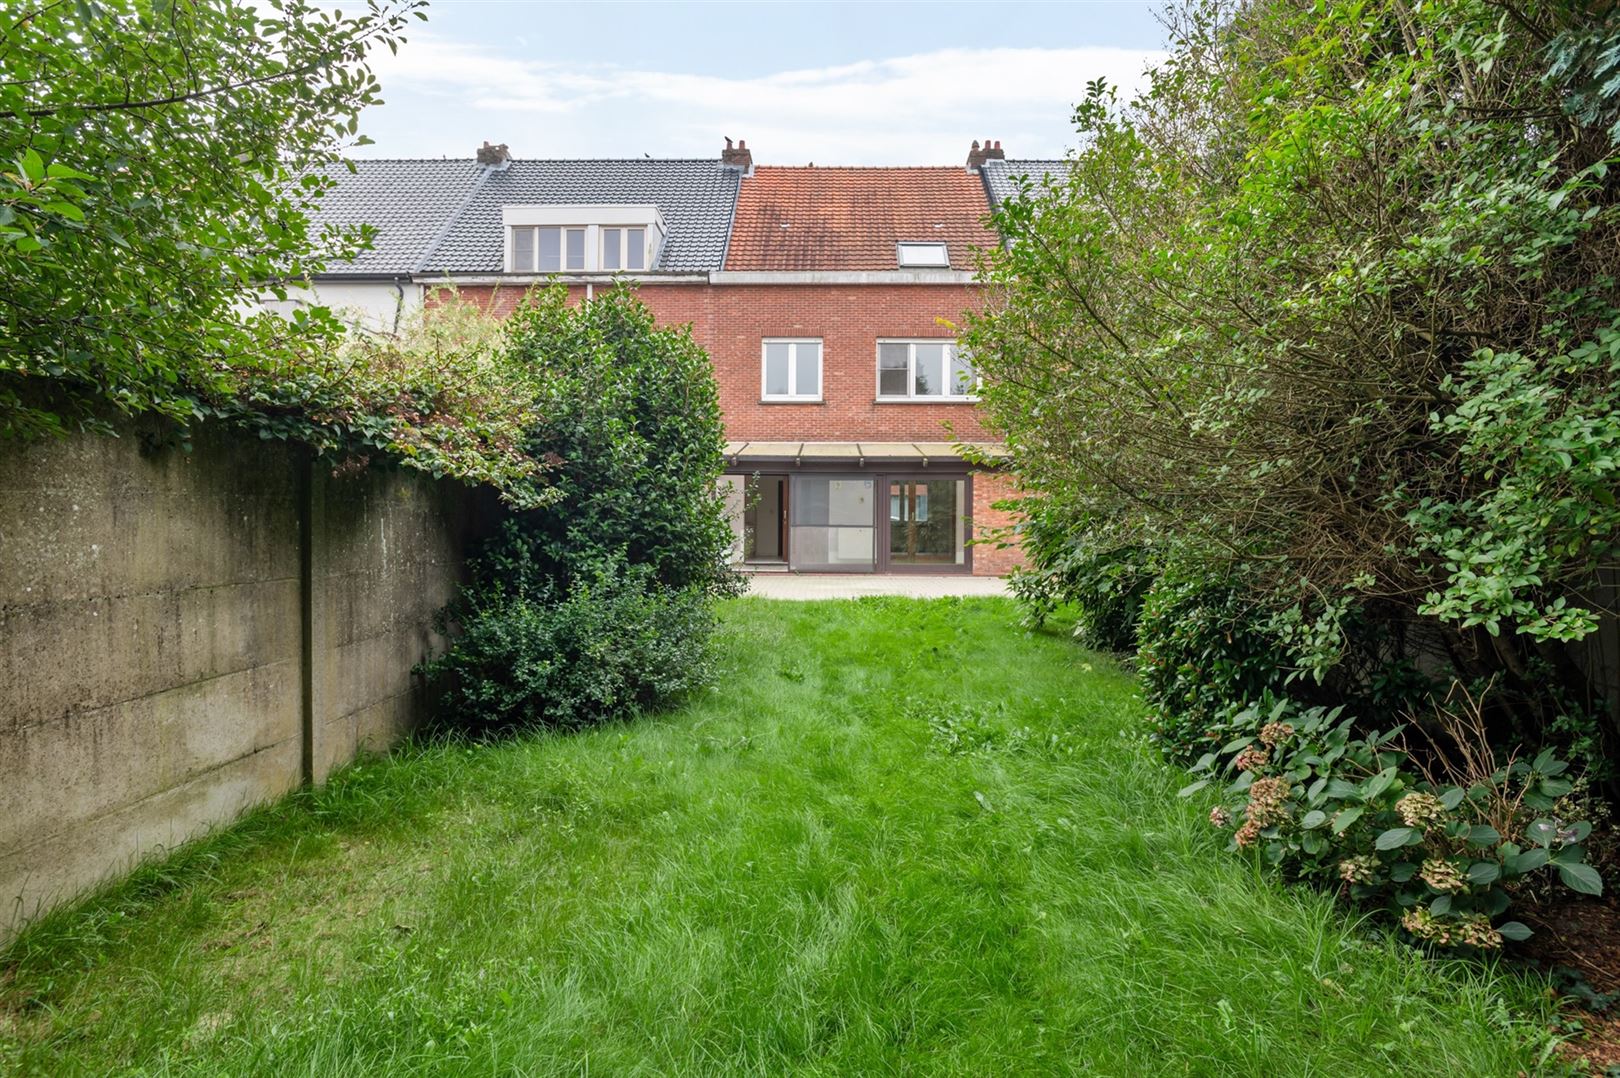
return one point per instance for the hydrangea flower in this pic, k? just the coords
(1252, 758)
(1267, 801)
(1442, 875)
(1473, 929)
(1358, 869)
(1275, 733)
(1420, 810)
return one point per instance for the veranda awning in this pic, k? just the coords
(859, 453)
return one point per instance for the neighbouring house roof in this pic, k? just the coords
(444, 216)
(803, 219)
(1002, 178)
(694, 197)
(408, 202)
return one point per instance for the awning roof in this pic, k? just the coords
(860, 452)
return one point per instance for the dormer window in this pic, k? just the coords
(923, 256)
(582, 239)
(624, 248)
(547, 249)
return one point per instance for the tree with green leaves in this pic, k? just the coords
(598, 602)
(158, 162)
(1329, 316)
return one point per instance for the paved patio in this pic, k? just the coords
(854, 585)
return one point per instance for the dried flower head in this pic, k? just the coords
(1473, 929)
(1359, 869)
(1247, 834)
(1275, 733)
(1442, 875)
(1219, 816)
(1420, 810)
(1252, 758)
(1267, 801)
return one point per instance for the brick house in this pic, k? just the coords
(828, 299)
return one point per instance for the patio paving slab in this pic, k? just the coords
(854, 585)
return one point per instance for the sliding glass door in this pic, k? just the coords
(834, 523)
(927, 524)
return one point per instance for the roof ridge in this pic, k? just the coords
(539, 160)
(451, 219)
(731, 219)
(859, 168)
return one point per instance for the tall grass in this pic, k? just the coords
(898, 837)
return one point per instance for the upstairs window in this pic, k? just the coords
(624, 249)
(923, 255)
(606, 237)
(924, 370)
(791, 370)
(547, 249)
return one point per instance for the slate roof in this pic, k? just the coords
(695, 197)
(1001, 177)
(408, 201)
(803, 219)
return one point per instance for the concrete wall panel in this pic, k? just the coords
(152, 650)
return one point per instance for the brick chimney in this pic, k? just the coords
(737, 157)
(493, 155)
(990, 151)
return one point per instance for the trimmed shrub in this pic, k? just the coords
(597, 603)
(610, 642)
(629, 421)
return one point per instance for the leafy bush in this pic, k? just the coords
(629, 419)
(1068, 566)
(1326, 318)
(597, 601)
(1447, 839)
(1204, 651)
(609, 642)
(1325, 311)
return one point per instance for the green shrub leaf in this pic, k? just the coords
(1582, 878)
(1396, 837)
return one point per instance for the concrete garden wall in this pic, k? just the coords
(183, 636)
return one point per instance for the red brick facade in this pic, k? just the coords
(731, 321)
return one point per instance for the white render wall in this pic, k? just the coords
(377, 306)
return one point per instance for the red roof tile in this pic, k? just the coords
(851, 218)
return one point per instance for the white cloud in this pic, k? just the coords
(909, 109)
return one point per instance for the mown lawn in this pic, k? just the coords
(900, 837)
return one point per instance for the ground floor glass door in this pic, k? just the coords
(833, 523)
(764, 519)
(927, 524)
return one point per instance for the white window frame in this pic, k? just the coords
(793, 370)
(562, 248)
(625, 247)
(902, 248)
(590, 220)
(911, 395)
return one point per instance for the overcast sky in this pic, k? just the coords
(833, 83)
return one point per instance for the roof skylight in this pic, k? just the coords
(920, 255)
